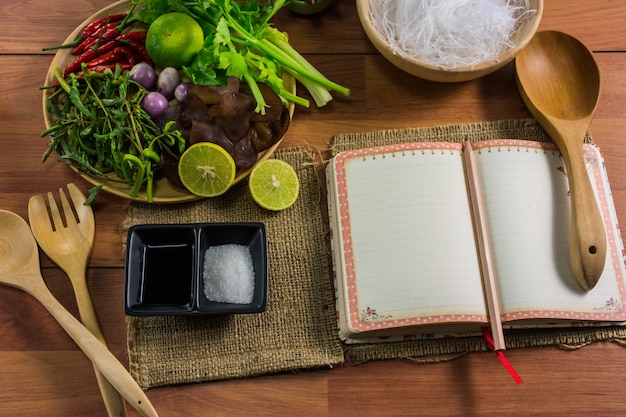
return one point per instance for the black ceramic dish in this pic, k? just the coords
(164, 263)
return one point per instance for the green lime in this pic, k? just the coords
(174, 39)
(274, 184)
(206, 169)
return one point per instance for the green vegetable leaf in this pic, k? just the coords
(92, 194)
(77, 102)
(222, 33)
(100, 127)
(243, 28)
(233, 63)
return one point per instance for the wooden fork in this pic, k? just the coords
(68, 240)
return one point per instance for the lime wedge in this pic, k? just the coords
(206, 169)
(274, 184)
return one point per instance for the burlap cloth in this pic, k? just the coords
(299, 328)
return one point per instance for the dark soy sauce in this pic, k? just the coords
(167, 274)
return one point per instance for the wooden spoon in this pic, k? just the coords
(559, 81)
(19, 268)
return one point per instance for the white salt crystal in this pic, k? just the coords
(228, 274)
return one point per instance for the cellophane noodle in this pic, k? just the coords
(449, 33)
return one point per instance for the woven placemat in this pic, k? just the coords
(434, 350)
(297, 331)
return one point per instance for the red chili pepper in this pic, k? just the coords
(101, 68)
(140, 52)
(93, 27)
(138, 35)
(108, 32)
(84, 45)
(89, 55)
(128, 54)
(116, 55)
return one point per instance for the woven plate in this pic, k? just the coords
(163, 190)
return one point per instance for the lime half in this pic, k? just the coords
(206, 169)
(274, 184)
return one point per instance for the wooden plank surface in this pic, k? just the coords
(44, 374)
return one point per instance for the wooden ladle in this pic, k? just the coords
(19, 268)
(559, 81)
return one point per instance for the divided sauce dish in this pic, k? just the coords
(165, 265)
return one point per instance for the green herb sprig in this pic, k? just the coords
(100, 127)
(241, 42)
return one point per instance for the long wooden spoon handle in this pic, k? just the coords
(100, 356)
(588, 236)
(113, 401)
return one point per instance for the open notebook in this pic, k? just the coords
(405, 258)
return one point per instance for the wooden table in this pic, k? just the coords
(44, 374)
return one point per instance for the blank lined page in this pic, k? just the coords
(528, 208)
(408, 222)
